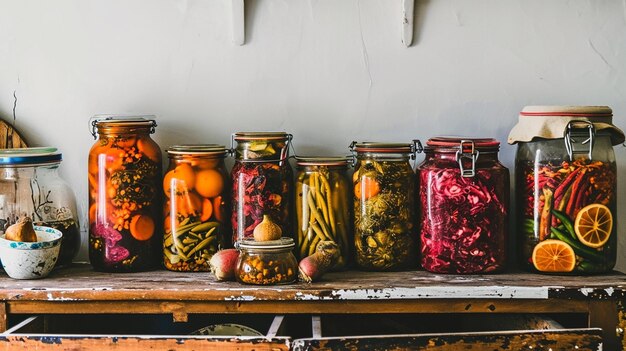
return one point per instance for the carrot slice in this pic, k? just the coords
(207, 210)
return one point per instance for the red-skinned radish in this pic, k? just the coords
(312, 267)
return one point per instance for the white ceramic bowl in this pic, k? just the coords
(31, 260)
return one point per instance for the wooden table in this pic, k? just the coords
(80, 290)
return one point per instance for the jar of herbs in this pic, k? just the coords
(30, 186)
(125, 210)
(197, 221)
(464, 197)
(566, 185)
(262, 183)
(323, 205)
(384, 206)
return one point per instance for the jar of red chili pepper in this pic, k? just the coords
(464, 194)
(384, 206)
(324, 205)
(196, 191)
(125, 211)
(566, 179)
(262, 185)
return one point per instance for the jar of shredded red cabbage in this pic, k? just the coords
(262, 184)
(464, 194)
(384, 184)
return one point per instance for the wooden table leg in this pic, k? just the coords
(3, 317)
(604, 314)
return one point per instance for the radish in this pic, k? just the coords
(314, 266)
(224, 263)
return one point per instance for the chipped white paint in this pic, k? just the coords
(586, 291)
(609, 291)
(51, 297)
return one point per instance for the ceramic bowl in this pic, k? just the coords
(31, 260)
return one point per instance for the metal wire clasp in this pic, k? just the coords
(567, 136)
(467, 150)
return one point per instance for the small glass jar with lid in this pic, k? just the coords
(30, 186)
(464, 197)
(196, 206)
(566, 187)
(384, 206)
(125, 209)
(262, 182)
(266, 262)
(323, 205)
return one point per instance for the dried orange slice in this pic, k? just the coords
(593, 225)
(554, 256)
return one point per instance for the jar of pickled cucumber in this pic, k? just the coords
(323, 205)
(384, 206)
(262, 183)
(464, 196)
(566, 188)
(197, 220)
(266, 262)
(125, 210)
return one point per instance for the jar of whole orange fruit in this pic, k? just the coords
(196, 206)
(125, 219)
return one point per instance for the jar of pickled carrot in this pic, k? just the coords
(125, 211)
(196, 189)
(566, 184)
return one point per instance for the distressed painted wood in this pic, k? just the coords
(569, 339)
(9, 137)
(130, 343)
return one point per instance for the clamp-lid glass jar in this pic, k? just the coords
(197, 220)
(266, 262)
(384, 206)
(30, 186)
(566, 182)
(464, 196)
(125, 211)
(323, 205)
(262, 182)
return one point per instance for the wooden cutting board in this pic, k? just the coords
(9, 137)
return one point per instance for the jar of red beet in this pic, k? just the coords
(262, 187)
(566, 184)
(464, 195)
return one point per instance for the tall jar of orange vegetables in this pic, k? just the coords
(196, 206)
(566, 184)
(125, 211)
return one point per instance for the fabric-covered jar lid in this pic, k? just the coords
(550, 122)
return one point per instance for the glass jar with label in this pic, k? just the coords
(464, 196)
(323, 205)
(197, 220)
(566, 184)
(30, 186)
(384, 206)
(262, 183)
(125, 210)
(266, 262)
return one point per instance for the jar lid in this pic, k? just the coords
(550, 122)
(261, 135)
(283, 243)
(323, 160)
(453, 144)
(111, 123)
(198, 150)
(383, 148)
(29, 156)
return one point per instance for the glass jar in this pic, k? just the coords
(196, 206)
(266, 262)
(464, 197)
(566, 180)
(384, 210)
(323, 207)
(125, 211)
(30, 186)
(262, 182)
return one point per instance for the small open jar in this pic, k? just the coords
(266, 262)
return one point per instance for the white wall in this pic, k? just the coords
(329, 71)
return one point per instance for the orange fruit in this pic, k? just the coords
(182, 179)
(168, 225)
(209, 183)
(188, 204)
(218, 208)
(207, 210)
(149, 148)
(141, 227)
(554, 256)
(593, 225)
(366, 188)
